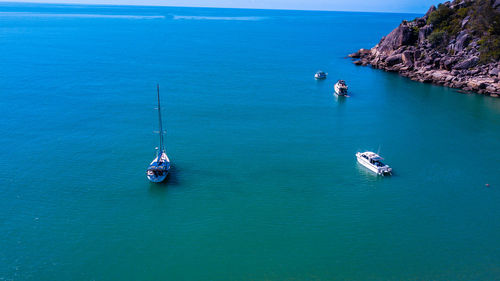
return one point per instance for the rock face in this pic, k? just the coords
(411, 51)
(467, 63)
(401, 36)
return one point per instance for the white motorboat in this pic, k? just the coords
(159, 167)
(340, 88)
(320, 75)
(373, 161)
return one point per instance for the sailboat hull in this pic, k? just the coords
(157, 179)
(157, 172)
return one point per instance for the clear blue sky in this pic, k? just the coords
(408, 6)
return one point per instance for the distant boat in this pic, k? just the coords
(373, 161)
(340, 88)
(320, 75)
(159, 167)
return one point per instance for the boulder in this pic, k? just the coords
(417, 55)
(359, 54)
(491, 89)
(448, 63)
(395, 68)
(408, 57)
(457, 84)
(466, 20)
(461, 41)
(424, 32)
(496, 5)
(437, 76)
(395, 59)
(495, 71)
(468, 63)
(476, 84)
(437, 62)
(473, 44)
(429, 60)
(400, 36)
(354, 55)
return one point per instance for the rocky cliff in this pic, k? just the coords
(456, 44)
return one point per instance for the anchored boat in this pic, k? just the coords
(159, 167)
(320, 75)
(373, 161)
(340, 88)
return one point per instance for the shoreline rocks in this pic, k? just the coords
(408, 51)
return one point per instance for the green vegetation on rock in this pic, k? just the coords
(447, 19)
(481, 21)
(485, 23)
(438, 38)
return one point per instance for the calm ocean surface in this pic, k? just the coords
(265, 184)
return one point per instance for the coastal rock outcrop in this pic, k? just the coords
(456, 44)
(468, 63)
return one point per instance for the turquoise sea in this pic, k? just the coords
(265, 184)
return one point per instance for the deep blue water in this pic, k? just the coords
(265, 185)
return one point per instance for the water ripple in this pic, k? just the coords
(181, 17)
(56, 15)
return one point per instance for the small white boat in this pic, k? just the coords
(320, 75)
(373, 162)
(340, 88)
(159, 167)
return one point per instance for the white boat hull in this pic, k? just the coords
(162, 175)
(384, 170)
(338, 91)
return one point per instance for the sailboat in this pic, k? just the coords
(158, 169)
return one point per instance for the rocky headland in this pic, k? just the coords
(456, 44)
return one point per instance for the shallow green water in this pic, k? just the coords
(265, 185)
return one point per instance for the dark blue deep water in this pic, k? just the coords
(265, 185)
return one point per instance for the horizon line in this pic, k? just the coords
(209, 7)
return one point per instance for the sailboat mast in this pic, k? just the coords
(159, 120)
